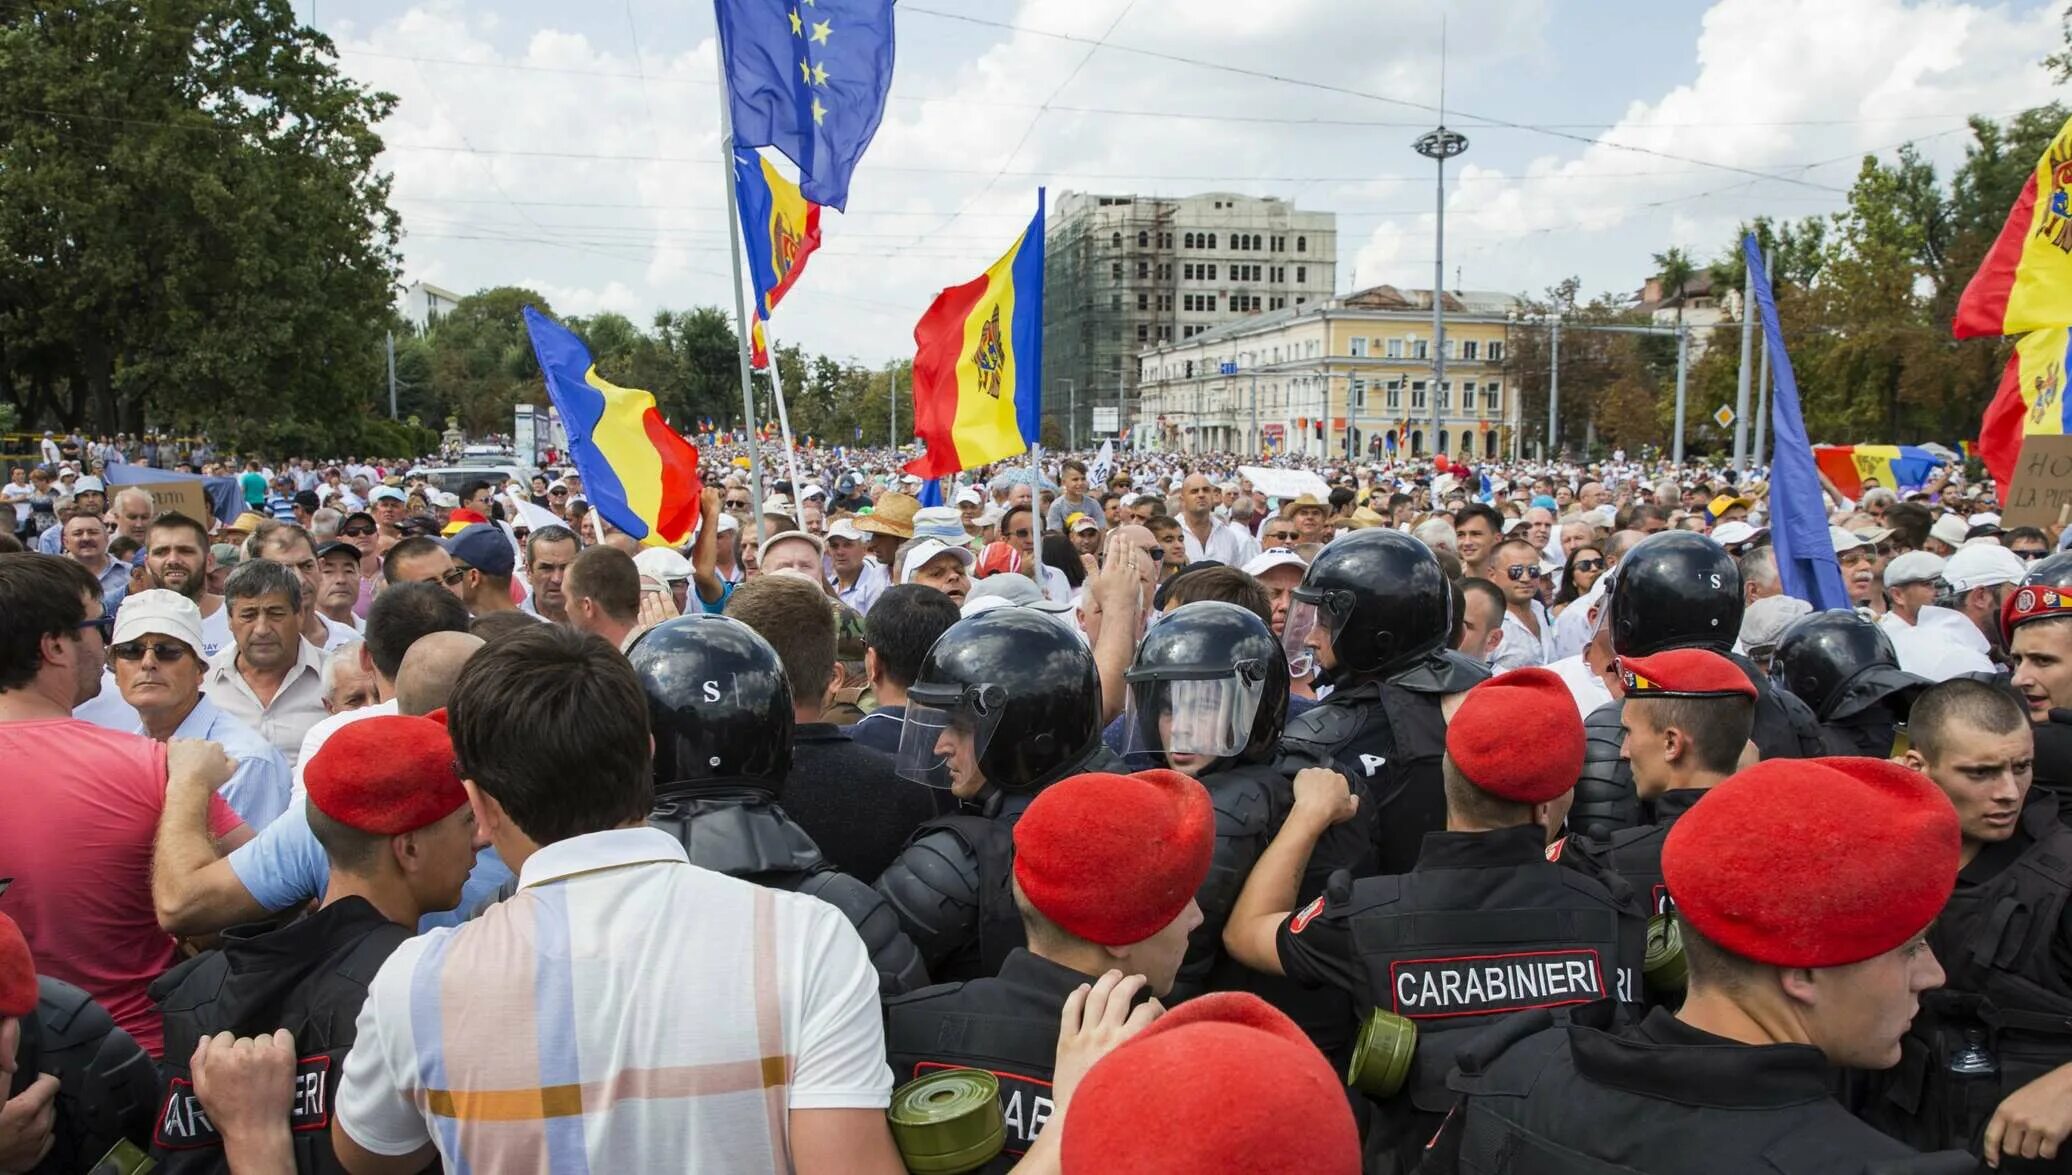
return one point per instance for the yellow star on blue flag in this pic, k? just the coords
(808, 78)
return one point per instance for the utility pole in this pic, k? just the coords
(1252, 442)
(1741, 390)
(1439, 146)
(1554, 394)
(1072, 412)
(892, 402)
(1683, 355)
(391, 334)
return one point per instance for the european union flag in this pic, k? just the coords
(808, 77)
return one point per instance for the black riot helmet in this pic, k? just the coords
(1840, 664)
(1209, 679)
(1381, 596)
(1019, 685)
(719, 703)
(1675, 590)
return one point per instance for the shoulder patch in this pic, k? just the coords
(1554, 850)
(1306, 915)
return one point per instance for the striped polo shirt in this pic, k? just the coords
(625, 1010)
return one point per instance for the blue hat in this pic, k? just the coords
(1544, 502)
(483, 547)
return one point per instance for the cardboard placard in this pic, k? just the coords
(2041, 494)
(180, 497)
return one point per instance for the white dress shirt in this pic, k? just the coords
(296, 706)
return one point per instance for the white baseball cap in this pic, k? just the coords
(162, 613)
(1844, 541)
(1271, 558)
(919, 555)
(662, 564)
(762, 552)
(728, 522)
(89, 485)
(1986, 519)
(1982, 565)
(1728, 534)
(1913, 567)
(1950, 529)
(812, 491)
(386, 493)
(845, 528)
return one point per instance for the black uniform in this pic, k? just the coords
(1846, 670)
(742, 832)
(309, 977)
(1029, 686)
(2054, 756)
(107, 1087)
(1389, 737)
(1006, 1025)
(952, 886)
(721, 709)
(1484, 927)
(2005, 943)
(1658, 1097)
(1635, 854)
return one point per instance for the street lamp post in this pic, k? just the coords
(1439, 146)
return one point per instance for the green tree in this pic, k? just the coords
(192, 232)
(482, 360)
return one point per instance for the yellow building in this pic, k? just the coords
(1349, 375)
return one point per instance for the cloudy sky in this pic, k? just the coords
(573, 148)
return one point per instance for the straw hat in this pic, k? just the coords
(892, 513)
(1303, 502)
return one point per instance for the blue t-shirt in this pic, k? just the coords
(285, 866)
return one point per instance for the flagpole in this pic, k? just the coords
(1036, 512)
(791, 453)
(755, 449)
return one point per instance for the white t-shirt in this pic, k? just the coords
(19, 495)
(679, 999)
(322, 731)
(215, 633)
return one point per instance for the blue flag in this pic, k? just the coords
(809, 78)
(1806, 565)
(931, 492)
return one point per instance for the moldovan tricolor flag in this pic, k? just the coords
(2031, 399)
(2025, 282)
(781, 228)
(636, 471)
(978, 366)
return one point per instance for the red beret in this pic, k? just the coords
(1114, 858)
(17, 971)
(998, 558)
(1224, 1082)
(2034, 602)
(1684, 673)
(385, 775)
(1814, 862)
(1518, 736)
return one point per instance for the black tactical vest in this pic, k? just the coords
(2003, 999)
(107, 1085)
(1455, 950)
(1389, 740)
(318, 1001)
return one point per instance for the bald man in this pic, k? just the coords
(1205, 535)
(430, 668)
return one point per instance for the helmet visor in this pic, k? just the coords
(937, 744)
(1189, 715)
(1307, 613)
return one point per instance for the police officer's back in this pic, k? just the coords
(1804, 890)
(1845, 668)
(1105, 869)
(1686, 720)
(1982, 1056)
(721, 710)
(1374, 614)
(1483, 928)
(386, 802)
(1678, 590)
(1007, 703)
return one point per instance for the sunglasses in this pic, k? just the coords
(2030, 556)
(357, 532)
(449, 578)
(737, 503)
(1023, 533)
(105, 626)
(1519, 571)
(167, 652)
(1589, 565)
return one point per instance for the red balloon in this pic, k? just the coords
(1442, 463)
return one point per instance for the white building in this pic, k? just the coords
(424, 303)
(1346, 375)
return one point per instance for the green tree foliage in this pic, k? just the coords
(192, 232)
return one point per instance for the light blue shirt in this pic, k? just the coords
(258, 789)
(285, 866)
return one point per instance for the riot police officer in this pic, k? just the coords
(69, 1056)
(1105, 871)
(1686, 722)
(1804, 891)
(1208, 696)
(1988, 1063)
(2040, 647)
(721, 710)
(386, 802)
(1374, 613)
(1844, 667)
(1007, 703)
(1677, 590)
(1484, 927)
